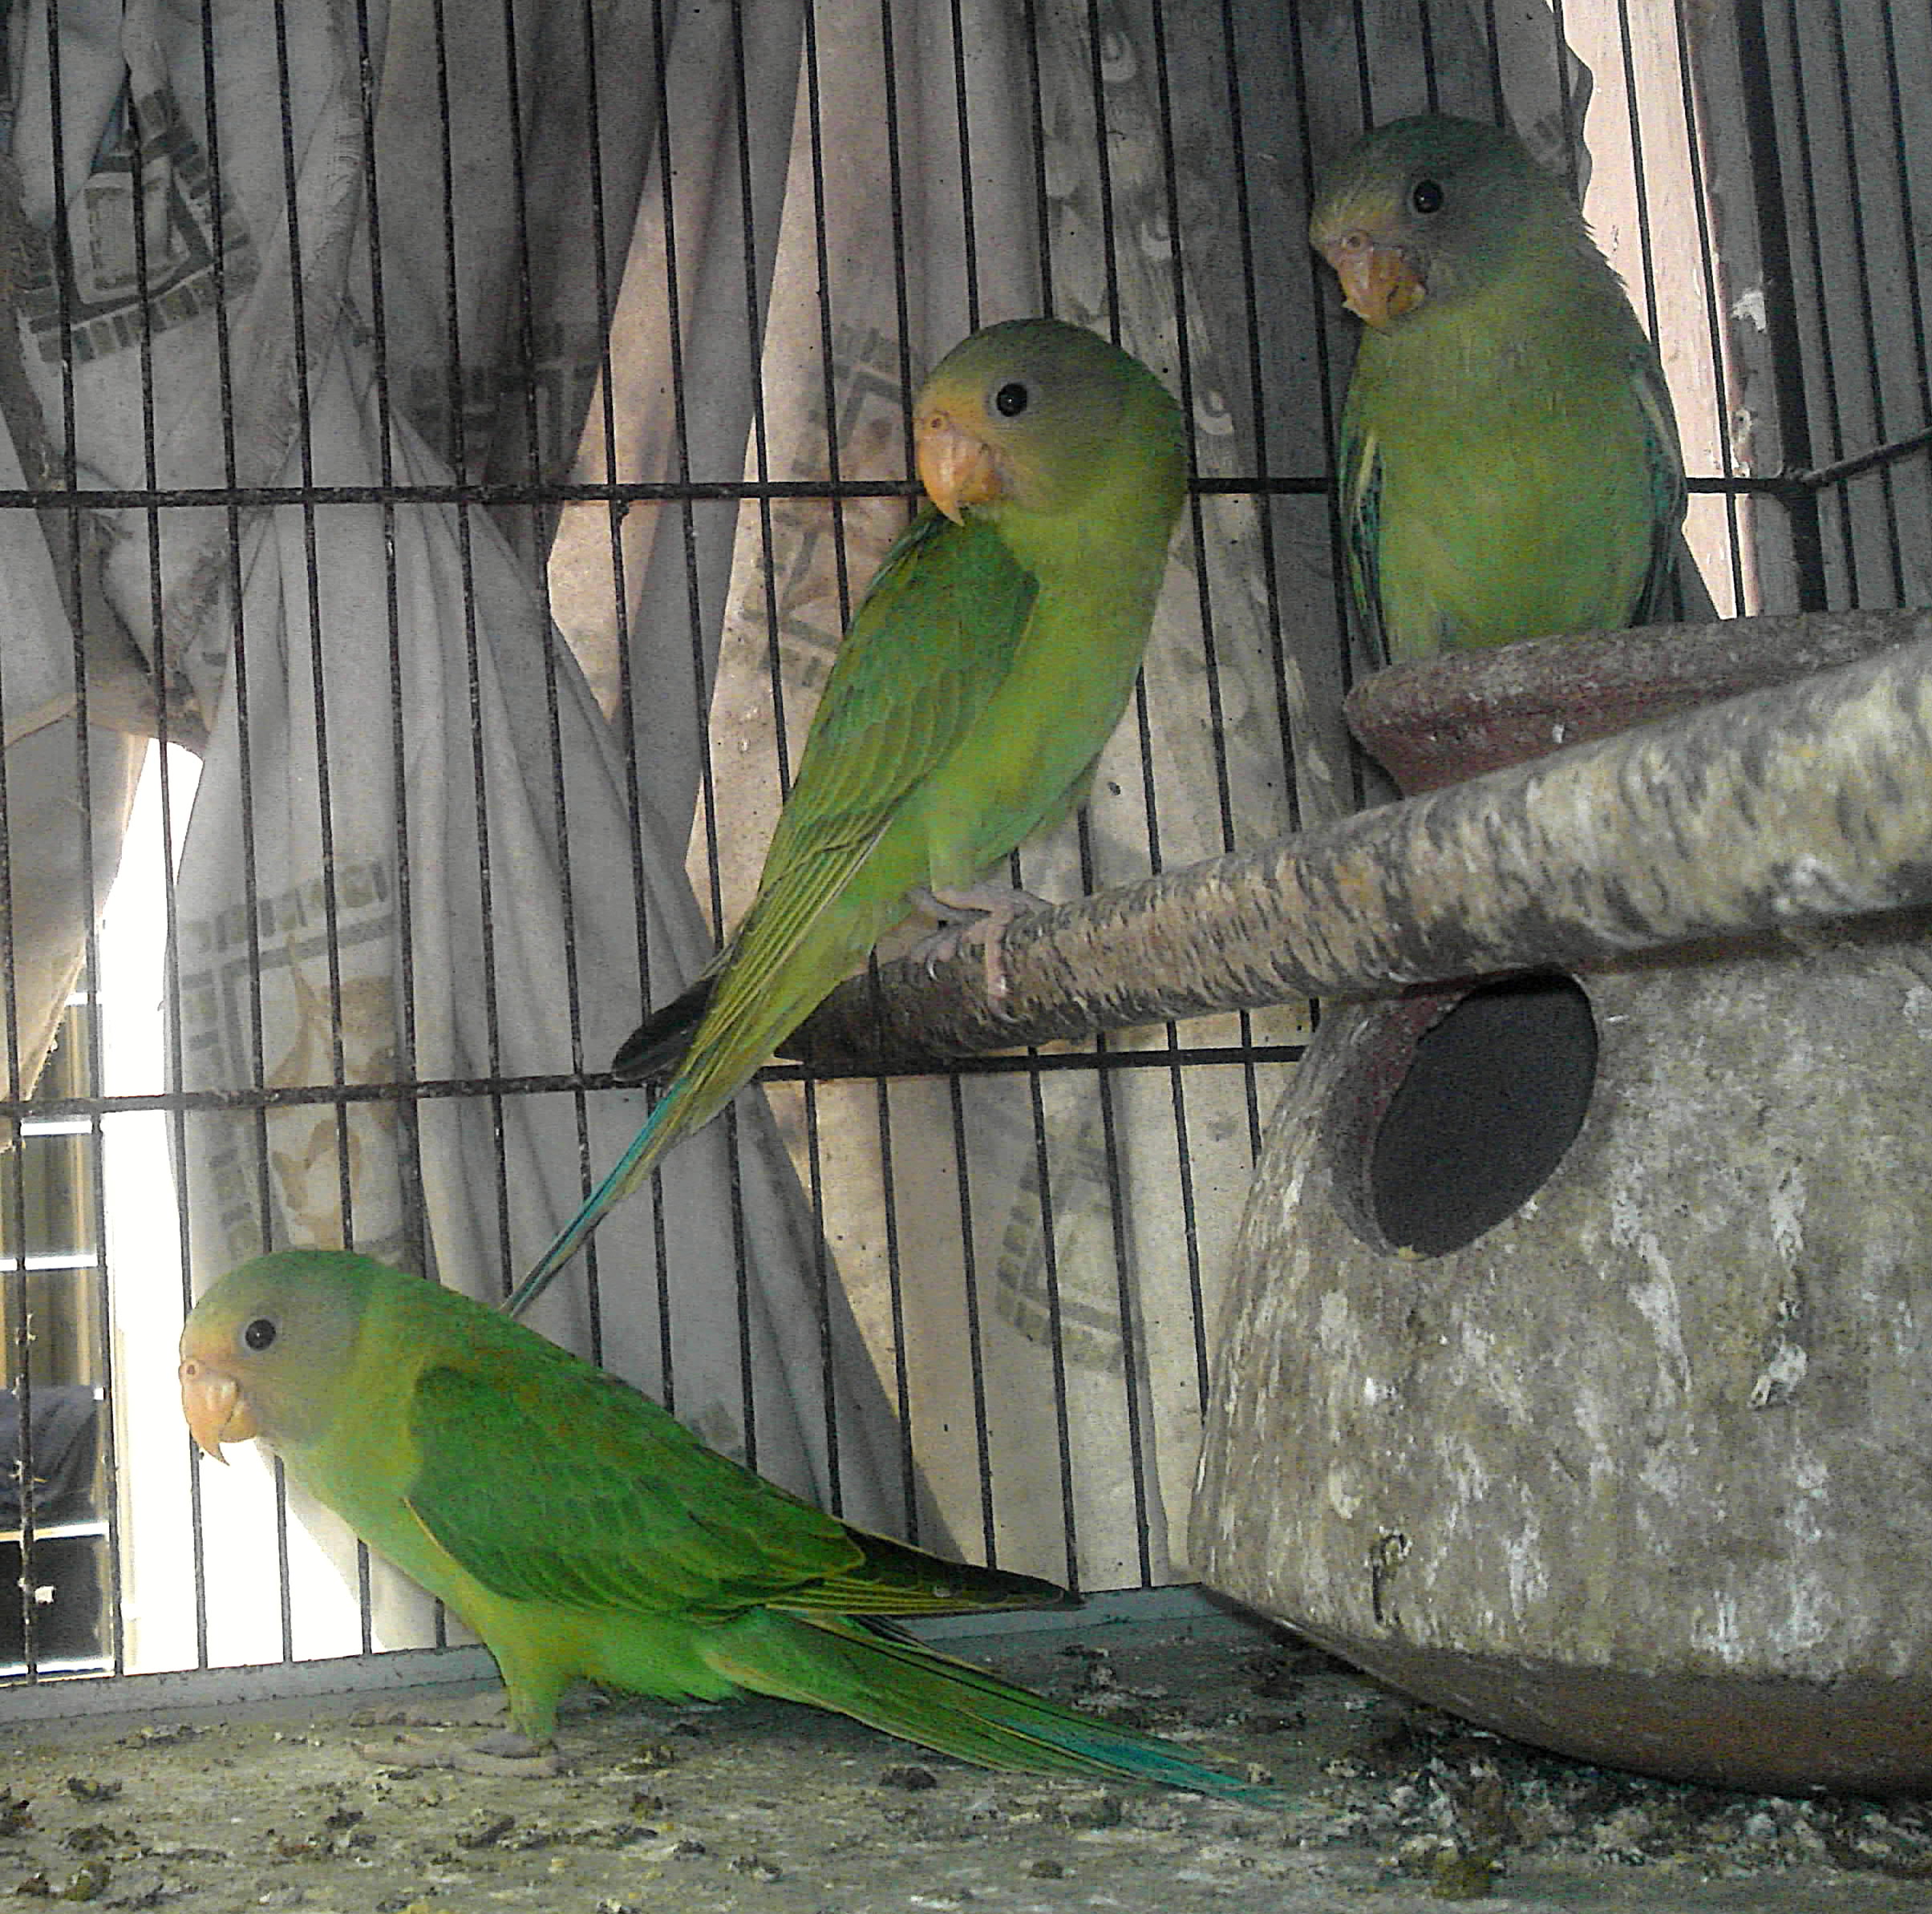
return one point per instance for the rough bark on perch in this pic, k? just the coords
(1807, 802)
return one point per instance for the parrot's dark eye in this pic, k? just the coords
(1425, 196)
(259, 1334)
(1012, 399)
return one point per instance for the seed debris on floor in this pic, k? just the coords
(757, 1808)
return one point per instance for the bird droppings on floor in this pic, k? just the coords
(766, 1809)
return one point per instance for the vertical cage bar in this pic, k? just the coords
(1780, 314)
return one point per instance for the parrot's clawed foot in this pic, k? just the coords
(485, 1708)
(505, 1750)
(980, 910)
(511, 1754)
(507, 1754)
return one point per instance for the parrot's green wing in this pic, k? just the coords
(932, 640)
(1664, 464)
(595, 1499)
(1358, 495)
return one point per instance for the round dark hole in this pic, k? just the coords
(1494, 1095)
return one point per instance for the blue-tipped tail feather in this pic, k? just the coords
(660, 1131)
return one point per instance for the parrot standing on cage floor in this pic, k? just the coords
(1508, 465)
(983, 672)
(582, 1531)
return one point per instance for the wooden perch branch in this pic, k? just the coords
(1804, 802)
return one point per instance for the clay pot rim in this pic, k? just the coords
(1436, 721)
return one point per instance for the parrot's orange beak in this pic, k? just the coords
(956, 467)
(1380, 284)
(216, 1410)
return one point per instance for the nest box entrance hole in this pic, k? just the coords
(1492, 1096)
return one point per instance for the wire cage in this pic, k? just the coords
(465, 429)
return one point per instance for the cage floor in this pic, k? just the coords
(761, 1806)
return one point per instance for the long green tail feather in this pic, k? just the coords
(880, 1677)
(660, 1131)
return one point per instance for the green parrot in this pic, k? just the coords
(985, 669)
(1508, 465)
(581, 1531)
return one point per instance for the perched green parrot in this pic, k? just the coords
(581, 1532)
(1508, 465)
(984, 670)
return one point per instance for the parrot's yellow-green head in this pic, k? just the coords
(1424, 210)
(263, 1353)
(1025, 414)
